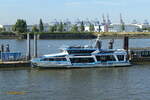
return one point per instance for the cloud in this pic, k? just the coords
(94, 3)
(73, 3)
(109, 3)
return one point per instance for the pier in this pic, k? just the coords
(139, 55)
(17, 59)
(8, 64)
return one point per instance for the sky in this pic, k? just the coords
(48, 10)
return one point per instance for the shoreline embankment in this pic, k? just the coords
(71, 35)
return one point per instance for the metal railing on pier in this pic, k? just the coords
(140, 54)
(12, 56)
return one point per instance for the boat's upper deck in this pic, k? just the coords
(79, 50)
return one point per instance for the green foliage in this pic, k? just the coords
(91, 28)
(52, 29)
(7, 33)
(55, 27)
(41, 27)
(57, 33)
(2, 29)
(146, 29)
(74, 28)
(20, 26)
(35, 29)
(60, 27)
(99, 28)
(139, 29)
(122, 27)
(82, 28)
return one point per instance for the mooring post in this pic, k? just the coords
(2, 50)
(28, 47)
(126, 45)
(35, 45)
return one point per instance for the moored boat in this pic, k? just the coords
(84, 56)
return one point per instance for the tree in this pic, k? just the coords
(20, 26)
(52, 29)
(82, 28)
(55, 27)
(146, 29)
(41, 27)
(91, 28)
(60, 27)
(139, 29)
(99, 28)
(122, 27)
(74, 28)
(2, 29)
(35, 29)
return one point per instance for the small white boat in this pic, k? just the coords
(84, 56)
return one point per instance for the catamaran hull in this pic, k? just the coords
(42, 65)
(49, 65)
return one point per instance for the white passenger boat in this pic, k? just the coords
(84, 56)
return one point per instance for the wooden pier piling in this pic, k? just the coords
(28, 47)
(35, 45)
(126, 43)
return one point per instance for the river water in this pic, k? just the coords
(122, 83)
(52, 46)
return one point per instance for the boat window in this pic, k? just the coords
(45, 59)
(120, 57)
(59, 59)
(54, 59)
(104, 58)
(82, 60)
(79, 51)
(61, 56)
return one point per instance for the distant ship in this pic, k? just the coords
(84, 56)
